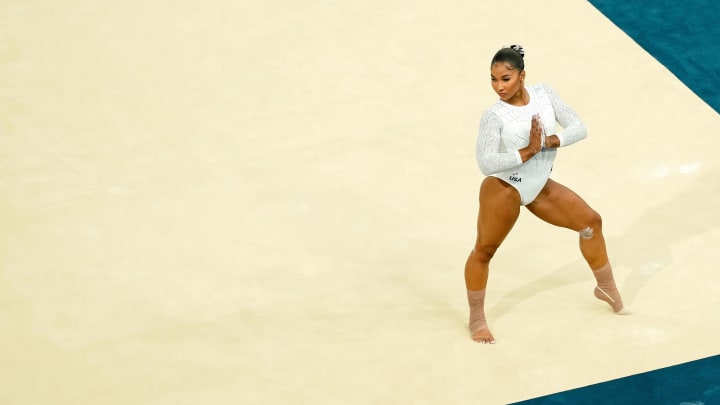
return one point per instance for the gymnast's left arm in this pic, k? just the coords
(573, 128)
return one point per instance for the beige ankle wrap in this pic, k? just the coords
(476, 301)
(606, 289)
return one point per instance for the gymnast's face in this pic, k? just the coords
(507, 82)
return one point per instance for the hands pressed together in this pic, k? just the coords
(537, 134)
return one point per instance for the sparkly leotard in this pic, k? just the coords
(505, 128)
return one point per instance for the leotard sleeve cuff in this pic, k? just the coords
(518, 158)
(562, 140)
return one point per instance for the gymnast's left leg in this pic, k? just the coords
(560, 206)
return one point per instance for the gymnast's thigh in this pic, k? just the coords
(558, 205)
(499, 210)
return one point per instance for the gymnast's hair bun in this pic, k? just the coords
(517, 48)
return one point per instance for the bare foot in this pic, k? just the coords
(611, 295)
(481, 333)
(479, 330)
(606, 290)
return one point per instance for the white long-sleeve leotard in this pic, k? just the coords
(505, 128)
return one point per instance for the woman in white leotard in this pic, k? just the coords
(516, 148)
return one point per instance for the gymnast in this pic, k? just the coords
(516, 147)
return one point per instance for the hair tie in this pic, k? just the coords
(518, 48)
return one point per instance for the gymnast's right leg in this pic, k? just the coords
(499, 210)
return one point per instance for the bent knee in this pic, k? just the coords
(591, 226)
(484, 253)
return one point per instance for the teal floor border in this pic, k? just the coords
(683, 36)
(692, 383)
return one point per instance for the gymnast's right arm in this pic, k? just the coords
(487, 149)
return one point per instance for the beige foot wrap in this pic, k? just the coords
(478, 326)
(606, 289)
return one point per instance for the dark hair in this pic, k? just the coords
(513, 55)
